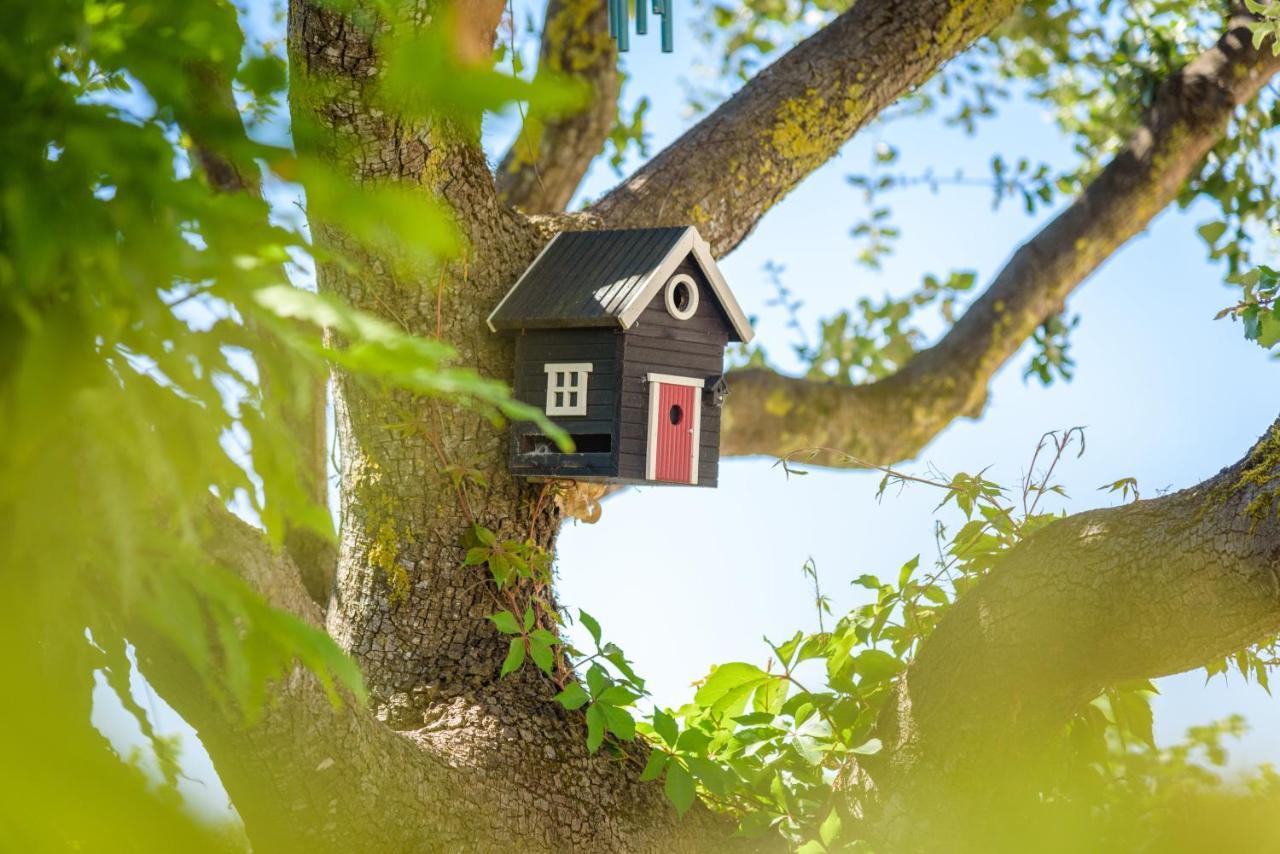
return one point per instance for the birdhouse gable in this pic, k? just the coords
(608, 279)
(620, 342)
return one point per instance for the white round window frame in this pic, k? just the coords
(670, 296)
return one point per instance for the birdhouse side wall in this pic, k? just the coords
(659, 343)
(594, 430)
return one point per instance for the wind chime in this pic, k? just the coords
(620, 24)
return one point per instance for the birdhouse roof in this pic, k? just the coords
(607, 278)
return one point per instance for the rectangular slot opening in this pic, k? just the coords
(584, 443)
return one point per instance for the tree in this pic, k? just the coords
(440, 588)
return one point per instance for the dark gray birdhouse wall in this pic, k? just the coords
(596, 431)
(659, 343)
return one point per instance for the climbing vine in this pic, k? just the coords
(787, 746)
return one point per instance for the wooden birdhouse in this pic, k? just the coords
(620, 339)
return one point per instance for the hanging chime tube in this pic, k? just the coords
(620, 22)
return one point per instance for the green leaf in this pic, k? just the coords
(528, 617)
(811, 739)
(541, 652)
(506, 622)
(515, 657)
(591, 625)
(574, 696)
(618, 695)
(1212, 232)
(904, 574)
(1252, 323)
(653, 767)
(665, 726)
(597, 679)
(693, 741)
(870, 747)
(876, 665)
(1133, 713)
(1269, 328)
(595, 727)
(728, 686)
(829, 830)
(263, 75)
(619, 721)
(679, 787)
(770, 696)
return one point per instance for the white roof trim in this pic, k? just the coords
(690, 242)
(489, 320)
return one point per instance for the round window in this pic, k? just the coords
(682, 297)
(675, 414)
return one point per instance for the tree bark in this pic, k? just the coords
(545, 164)
(1135, 592)
(308, 775)
(734, 165)
(894, 418)
(404, 606)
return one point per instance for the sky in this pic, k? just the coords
(683, 578)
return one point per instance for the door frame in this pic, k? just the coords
(651, 447)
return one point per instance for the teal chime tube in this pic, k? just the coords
(620, 22)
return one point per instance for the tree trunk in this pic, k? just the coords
(403, 604)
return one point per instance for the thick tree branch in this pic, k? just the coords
(545, 164)
(1139, 591)
(894, 418)
(244, 549)
(734, 165)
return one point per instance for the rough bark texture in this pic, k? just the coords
(545, 164)
(307, 775)
(894, 418)
(738, 162)
(1140, 591)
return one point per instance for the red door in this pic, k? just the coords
(676, 421)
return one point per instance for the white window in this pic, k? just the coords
(567, 387)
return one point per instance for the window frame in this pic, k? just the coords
(669, 296)
(575, 383)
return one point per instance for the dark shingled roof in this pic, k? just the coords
(585, 278)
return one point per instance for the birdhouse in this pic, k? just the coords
(620, 339)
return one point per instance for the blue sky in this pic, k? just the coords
(684, 578)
